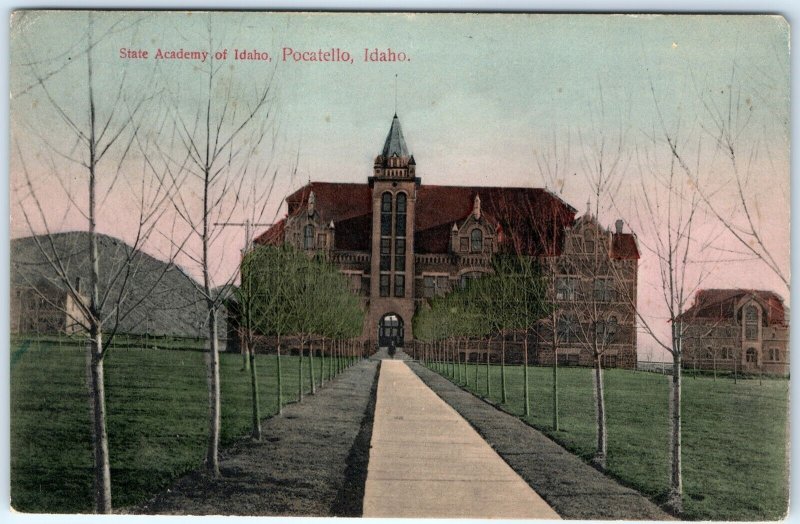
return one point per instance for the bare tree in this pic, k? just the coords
(213, 153)
(107, 139)
(731, 115)
(668, 211)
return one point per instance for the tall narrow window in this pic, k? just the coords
(476, 241)
(384, 285)
(386, 214)
(429, 286)
(386, 254)
(400, 254)
(751, 323)
(399, 285)
(308, 237)
(400, 218)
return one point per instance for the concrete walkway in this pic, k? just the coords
(427, 461)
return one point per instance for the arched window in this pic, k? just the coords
(386, 214)
(751, 355)
(476, 237)
(751, 322)
(400, 221)
(308, 237)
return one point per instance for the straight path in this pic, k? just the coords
(311, 461)
(572, 487)
(427, 461)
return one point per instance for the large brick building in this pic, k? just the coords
(401, 241)
(743, 330)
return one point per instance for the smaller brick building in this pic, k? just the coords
(743, 330)
(44, 308)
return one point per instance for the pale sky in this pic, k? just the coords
(482, 98)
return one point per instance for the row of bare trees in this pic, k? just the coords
(187, 165)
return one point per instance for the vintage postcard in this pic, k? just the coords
(465, 265)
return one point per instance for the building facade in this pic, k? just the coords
(401, 242)
(743, 330)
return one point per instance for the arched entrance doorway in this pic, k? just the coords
(390, 328)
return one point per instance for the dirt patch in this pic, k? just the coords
(572, 487)
(311, 461)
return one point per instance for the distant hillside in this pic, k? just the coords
(174, 306)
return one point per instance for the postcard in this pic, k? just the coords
(421, 265)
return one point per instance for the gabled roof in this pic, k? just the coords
(527, 214)
(395, 143)
(721, 304)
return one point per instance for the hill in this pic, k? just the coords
(159, 297)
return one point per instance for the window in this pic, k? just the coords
(609, 361)
(399, 285)
(386, 214)
(308, 237)
(774, 354)
(384, 285)
(464, 246)
(466, 277)
(751, 323)
(566, 287)
(476, 238)
(588, 241)
(603, 290)
(400, 219)
(751, 356)
(606, 331)
(567, 329)
(400, 254)
(428, 287)
(386, 258)
(726, 354)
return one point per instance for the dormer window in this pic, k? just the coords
(476, 241)
(308, 237)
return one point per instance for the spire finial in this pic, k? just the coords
(395, 95)
(476, 206)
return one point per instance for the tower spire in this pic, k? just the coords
(395, 95)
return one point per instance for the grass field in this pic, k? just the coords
(735, 436)
(157, 420)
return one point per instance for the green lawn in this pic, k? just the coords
(157, 419)
(734, 435)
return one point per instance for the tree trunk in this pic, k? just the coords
(97, 391)
(311, 367)
(526, 388)
(555, 371)
(300, 372)
(676, 481)
(214, 418)
(488, 371)
(503, 369)
(254, 392)
(600, 414)
(322, 365)
(280, 378)
(245, 358)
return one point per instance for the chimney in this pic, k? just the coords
(618, 225)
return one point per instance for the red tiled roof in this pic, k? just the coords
(527, 216)
(623, 245)
(717, 304)
(273, 235)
